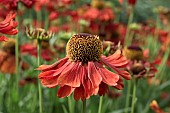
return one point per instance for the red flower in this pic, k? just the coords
(3, 38)
(82, 70)
(132, 2)
(138, 64)
(91, 14)
(8, 26)
(46, 53)
(10, 4)
(106, 14)
(7, 57)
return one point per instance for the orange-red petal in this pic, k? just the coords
(94, 75)
(64, 91)
(108, 77)
(71, 77)
(54, 66)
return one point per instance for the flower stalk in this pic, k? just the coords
(100, 104)
(128, 39)
(84, 106)
(39, 83)
(17, 60)
(134, 96)
(70, 105)
(128, 96)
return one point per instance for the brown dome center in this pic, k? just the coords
(84, 47)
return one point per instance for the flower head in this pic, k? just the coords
(84, 48)
(8, 26)
(133, 53)
(82, 69)
(9, 46)
(138, 65)
(7, 57)
(39, 33)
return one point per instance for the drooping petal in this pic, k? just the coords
(108, 77)
(118, 63)
(60, 69)
(123, 73)
(79, 93)
(50, 78)
(87, 84)
(46, 74)
(115, 56)
(94, 75)
(50, 82)
(71, 75)
(119, 85)
(64, 91)
(103, 88)
(53, 66)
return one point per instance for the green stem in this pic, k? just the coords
(70, 104)
(134, 97)
(17, 61)
(127, 40)
(84, 106)
(39, 83)
(128, 96)
(100, 104)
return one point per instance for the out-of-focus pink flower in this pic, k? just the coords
(106, 14)
(91, 14)
(53, 15)
(40, 3)
(121, 1)
(10, 4)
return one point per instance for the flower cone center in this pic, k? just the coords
(133, 53)
(84, 47)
